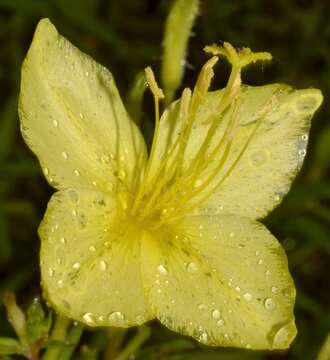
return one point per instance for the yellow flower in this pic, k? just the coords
(128, 238)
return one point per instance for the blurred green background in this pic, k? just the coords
(126, 36)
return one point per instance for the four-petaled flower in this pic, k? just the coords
(174, 235)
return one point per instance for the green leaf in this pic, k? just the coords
(10, 346)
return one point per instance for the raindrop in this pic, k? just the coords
(89, 318)
(55, 123)
(74, 212)
(162, 270)
(51, 272)
(269, 304)
(192, 267)
(216, 314)
(274, 289)
(260, 261)
(198, 183)
(203, 337)
(247, 296)
(76, 265)
(116, 316)
(87, 73)
(237, 288)
(122, 174)
(94, 183)
(76, 172)
(103, 265)
(92, 248)
(304, 137)
(63, 240)
(65, 155)
(46, 171)
(202, 307)
(302, 152)
(60, 284)
(232, 234)
(81, 115)
(220, 322)
(284, 335)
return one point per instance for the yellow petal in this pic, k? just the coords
(223, 280)
(72, 116)
(90, 260)
(265, 145)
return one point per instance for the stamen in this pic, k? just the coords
(157, 94)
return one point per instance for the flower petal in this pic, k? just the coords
(72, 116)
(90, 260)
(266, 149)
(223, 280)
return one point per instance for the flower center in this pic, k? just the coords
(177, 186)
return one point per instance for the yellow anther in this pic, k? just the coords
(239, 58)
(155, 89)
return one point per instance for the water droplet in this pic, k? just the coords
(274, 289)
(304, 137)
(231, 234)
(260, 261)
(284, 335)
(55, 123)
(302, 152)
(65, 155)
(74, 212)
(92, 248)
(162, 270)
(89, 318)
(60, 284)
(247, 296)
(216, 314)
(46, 171)
(76, 172)
(81, 115)
(94, 183)
(107, 244)
(76, 265)
(51, 272)
(203, 337)
(202, 307)
(237, 288)
(103, 265)
(63, 240)
(257, 253)
(220, 322)
(116, 316)
(101, 318)
(269, 304)
(87, 73)
(192, 267)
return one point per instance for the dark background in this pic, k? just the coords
(126, 36)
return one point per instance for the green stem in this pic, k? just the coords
(140, 337)
(72, 341)
(57, 340)
(116, 338)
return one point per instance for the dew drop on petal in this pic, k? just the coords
(46, 171)
(76, 265)
(92, 248)
(103, 265)
(220, 322)
(216, 314)
(63, 240)
(269, 304)
(65, 155)
(116, 316)
(60, 284)
(76, 172)
(274, 289)
(51, 272)
(162, 270)
(247, 296)
(55, 123)
(89, 318)
(192, 267)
